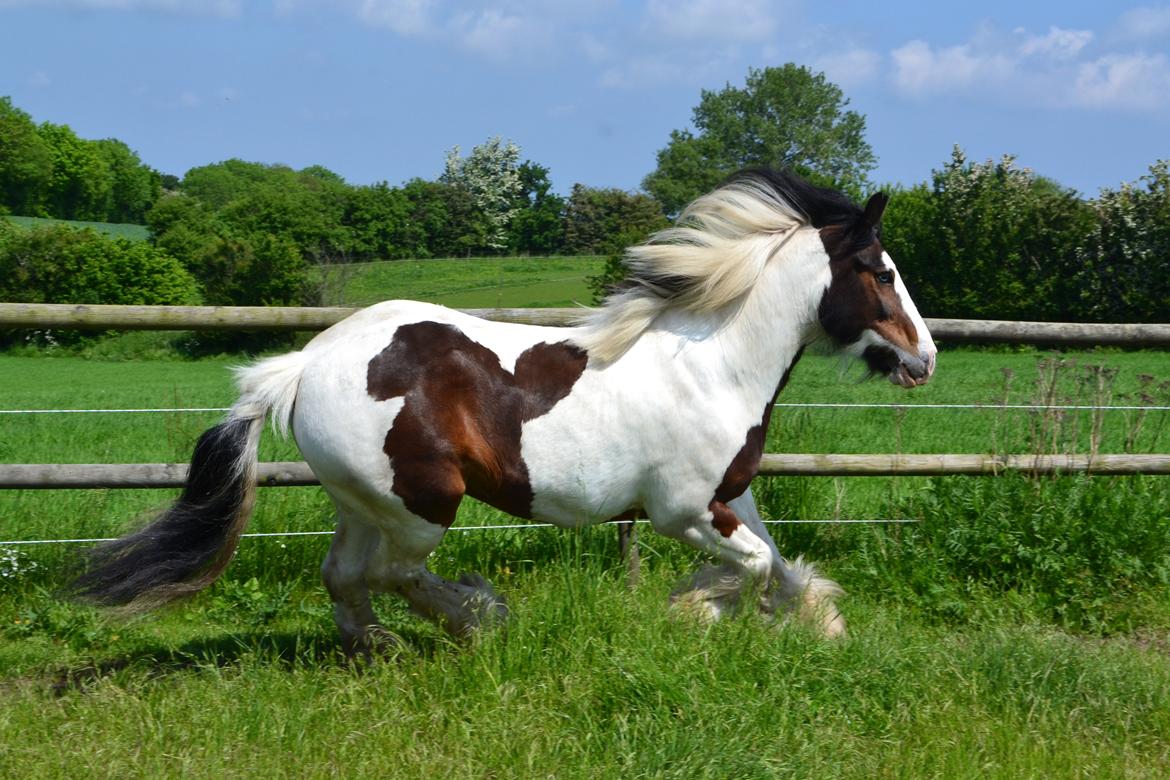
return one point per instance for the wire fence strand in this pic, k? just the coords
(899, 407)
(501, 527)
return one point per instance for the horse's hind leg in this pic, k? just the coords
(399, 565)
(460, 607)
(344, 571)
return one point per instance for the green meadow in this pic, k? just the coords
(472, 283)
(1008, 627)
(112, 229)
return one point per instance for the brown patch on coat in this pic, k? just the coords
(746, 463)
(723, 518)
(459, 430)
(855, 300)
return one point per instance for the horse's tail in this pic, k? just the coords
(189, 545)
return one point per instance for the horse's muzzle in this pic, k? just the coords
(913, 371)
(899, 365)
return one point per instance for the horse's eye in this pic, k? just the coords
(885, 277)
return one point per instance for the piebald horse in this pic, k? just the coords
(656, 404)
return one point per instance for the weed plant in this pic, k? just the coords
(1087, 553)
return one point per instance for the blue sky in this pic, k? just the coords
(381, 89)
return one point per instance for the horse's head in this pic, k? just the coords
(866, 308)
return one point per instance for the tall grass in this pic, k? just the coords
(590, 680)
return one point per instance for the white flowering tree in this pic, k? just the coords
(491, 175)
(1127, 256)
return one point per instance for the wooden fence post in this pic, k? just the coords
(628, 544)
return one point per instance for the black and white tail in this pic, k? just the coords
(189, 545)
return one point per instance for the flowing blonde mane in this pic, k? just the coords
(712, 256)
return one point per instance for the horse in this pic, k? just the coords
(654, 404)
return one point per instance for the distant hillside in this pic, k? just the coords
(130, 232)
(505, 282)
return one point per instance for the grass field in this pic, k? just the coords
(473, 283)
(131, 232)
(1017, 628)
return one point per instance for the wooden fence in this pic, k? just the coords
(261, 318)
(291, 473)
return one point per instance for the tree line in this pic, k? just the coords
(46, 170)
(980, 239)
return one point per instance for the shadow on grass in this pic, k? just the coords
(288, 650)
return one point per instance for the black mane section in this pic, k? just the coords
(820, 205)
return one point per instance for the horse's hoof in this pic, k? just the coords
(373, 642)
(696, 605)
(474, 580)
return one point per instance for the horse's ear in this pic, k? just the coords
(874, 209)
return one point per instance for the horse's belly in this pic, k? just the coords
(581, 467)
(613, 445)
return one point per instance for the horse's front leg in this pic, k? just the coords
(747, 559)
(794, 586)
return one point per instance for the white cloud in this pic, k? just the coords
(594, 49)
(1062, 68)
(850, 68)
(188, 99)
(405, 17)
(1133, 81)
(500, 35)
(712, 20)
(223, 8)
(642, 71)
(920, 69)
(40, 80)
(1144, 23)
(1058, 44)
(503, 30)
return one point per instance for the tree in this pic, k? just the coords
(25, 162)
(219, 184)
(537, 225)
(990, 240)
(786, 117)
(378, 219)
(63, 264)
(183, 227)
(1126, 259)
(134, 187)
(490, 175)
(444, 220)
(310, 220)
(604, 221)
(80, 184)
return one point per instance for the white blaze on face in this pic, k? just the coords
(928, 352)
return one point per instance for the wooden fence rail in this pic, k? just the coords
(293, 473)
(26, 476)
(260, 318)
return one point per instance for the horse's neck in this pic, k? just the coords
(748, 346)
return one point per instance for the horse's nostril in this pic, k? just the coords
(917, 368)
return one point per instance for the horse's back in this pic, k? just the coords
(409, 405)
